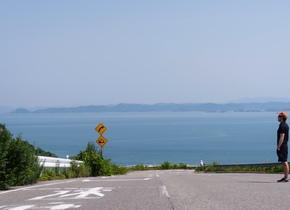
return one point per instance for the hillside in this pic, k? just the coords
(205, 107)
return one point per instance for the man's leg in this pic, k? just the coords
(286, 169)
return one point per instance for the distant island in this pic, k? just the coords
(168, 107)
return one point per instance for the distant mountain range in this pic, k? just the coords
(169, 107)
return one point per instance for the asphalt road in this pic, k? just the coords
(172, 189)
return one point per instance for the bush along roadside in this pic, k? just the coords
(93, 165)
(215, 167)
(18, 161)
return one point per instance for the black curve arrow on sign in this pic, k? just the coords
(101, 128)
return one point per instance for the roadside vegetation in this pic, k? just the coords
(164, 166)
(211, 168)
(93, 165)
(19, 164)
(216, 168)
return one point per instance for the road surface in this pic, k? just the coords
(154, 190)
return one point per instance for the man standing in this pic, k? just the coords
(282, 147)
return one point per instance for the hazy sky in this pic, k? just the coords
(71, 52)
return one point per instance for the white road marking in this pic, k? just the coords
(106, 177)
(22, 207)
(163, 191)
(83, 194)
(51, 195)
(115, 180)
(65, 206)
(26, 188)
(53, 207)
(87, 193)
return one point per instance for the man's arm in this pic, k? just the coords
(281, 139)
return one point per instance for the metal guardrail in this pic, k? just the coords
(218, 165)
(51, 162)
(245, 165)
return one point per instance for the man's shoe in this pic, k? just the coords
(283, 180)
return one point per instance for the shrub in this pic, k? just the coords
(83, 171)
(139, 167)
(182, 166)
(18, 161)
(165, 165)
(48, 174)
(117, 169)
(5, 140)
(97, 165)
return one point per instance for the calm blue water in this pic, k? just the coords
(155, 137)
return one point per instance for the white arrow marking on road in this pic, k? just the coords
(46, 196)
(83, 194)
(64, 206)
(55, 203)
(163, 191)
(116, 180)
(22, 207)
(58, 207)
(36, 186)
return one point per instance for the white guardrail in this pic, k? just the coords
(51, 162)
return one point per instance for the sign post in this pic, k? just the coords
(101, 140)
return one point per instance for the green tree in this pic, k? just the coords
(41, 152)
(93, 159)
(23, 166)
(18, 161)
(5, 139)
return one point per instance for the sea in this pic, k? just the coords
(154, 137)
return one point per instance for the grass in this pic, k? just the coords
(82, 171)
(214, 168)
(239, 169)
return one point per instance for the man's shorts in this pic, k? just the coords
(283, 153)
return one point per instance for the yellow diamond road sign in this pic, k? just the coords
(101, 141)
(101, 128)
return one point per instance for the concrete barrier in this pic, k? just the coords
(51, 162)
